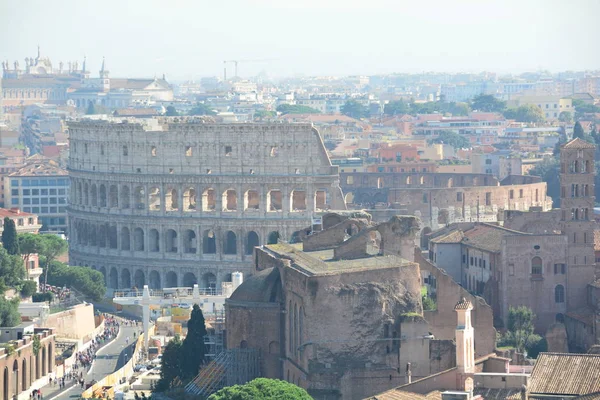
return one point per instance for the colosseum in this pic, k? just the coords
(173, 203)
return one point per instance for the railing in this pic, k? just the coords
(168, 293)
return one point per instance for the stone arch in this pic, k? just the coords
(209, 202)
(421, 180)
(139, 279)
(94, 195)
(79, 196)
(252, 241)
(230, 200)
(138, 239)
(15, 378)
(321, 200)
(112, 236)
(113, 196)
(125, 279)
(274, 200)
(102, 195)
(209, 281)
(230, 243)
(139, 198)
(24, 383)
(171, 241)
(44, 361)
(251, 200)
(154, 241)
(298, 200)
(50, 358)
(189, 241)
(380, 183)
(125, 240)
(273, 237)
(349, 198)
(450, 183)
(171, 200)
(189, 199)
(189, 279)
(102, 236)
(408, 180)
(124, 197)
(86, 195)
(274, 348)
(5, 394)
(154, 280)
(154, 200)
(113, 278)
(171, 279)
(536, 266)
(209, 242)
(559, 294)
(102, 270)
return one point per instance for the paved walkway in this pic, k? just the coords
(108, 359)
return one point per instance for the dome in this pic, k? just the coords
(262, 287)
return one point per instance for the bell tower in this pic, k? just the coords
(577, 217)
(104, 81)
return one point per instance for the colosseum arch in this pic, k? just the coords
(154, 199)
(422, 180)
(252, 241)
(209, 242)
(112, 236)
(102, 195)
(15, 378)
(189, 199)
(124, 195)
(450, 183)
(154, 241)
(209, 281)
(79, 195)
(24, 383)
(125, 279)
(154, 280)
(349, 198)
(139, 279)
(230, 243)
(44, 361)
(273, 237)
(138, 239)
(209, 202)
(298, 200)
(139, 198)
(171, 241)
(171, 200)
(230, 200)
(102, 236)
(189, 241)
(125, 239)
(113, 278)
(102, 270)
(86, 196)
(380, 183)
(321, 200)
(189, 279)
(251, 200)
(274, 200)
(171, 279)
(113, 196)
(94, 195)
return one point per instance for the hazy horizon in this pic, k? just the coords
(190, 39)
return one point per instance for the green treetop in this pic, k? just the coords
(9, 237)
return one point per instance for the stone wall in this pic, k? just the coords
(74, 323)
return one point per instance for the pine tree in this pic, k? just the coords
(193, 344)
(9, 237)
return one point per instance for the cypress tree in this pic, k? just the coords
(578, 131)
(9, 237)
(194, 349)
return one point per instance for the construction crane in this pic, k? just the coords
(235, 63)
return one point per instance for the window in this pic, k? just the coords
(511, 269)
(85, 148)
(511, 194)
(228, 151)
(520, 193)
(471, 259)
(188, 151)
(560, 269)
(125, 151)
(138, 170)
(488, 161)
(488, 198)
(483, 264)
(536, 266)
(20, 222)
(273, 151)
(424, 198)
(459, 196)
(559, 294)
(14, 192)
(464, 258)
(153, 151)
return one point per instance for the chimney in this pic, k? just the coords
(465, 349)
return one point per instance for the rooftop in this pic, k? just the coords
(566, 374)
(578, 143)
(487, 236)
(322, 262)
(13, 213)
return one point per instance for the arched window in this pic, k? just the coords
(559, 294)
(536, 266)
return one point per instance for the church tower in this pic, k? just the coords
(104, 81)
(577, 217)
(465, 346)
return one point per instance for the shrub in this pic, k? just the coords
(42, 297)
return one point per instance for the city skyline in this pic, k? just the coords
(334, 38)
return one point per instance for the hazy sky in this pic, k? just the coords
(190, 39)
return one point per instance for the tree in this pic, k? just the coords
(548, 170)
(193, 344)
(296, 109)
(12, 271)
(51, 247)
(262, 389)
(526, 113)
(454, 139)
(565, 116)
(399, 107)
(520, 325)
(84, 279)
(9, 237)
(9, 312)
(170, 365)
(487, 103)
(577, 132)
(354, 109)
(262, 114)
(29, 244)
(28, 288)
(91, 110)
(201, 109)
(171, 112)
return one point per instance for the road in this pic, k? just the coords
(108, 359)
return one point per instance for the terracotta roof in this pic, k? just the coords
(13, 213)
(396, 394)
(578, 143)
(487, 237)
(565, 374)
(584, 314)
(463, 304)
(498, 394)
(49, 168)
(455, 236)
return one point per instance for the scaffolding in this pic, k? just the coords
(230, 367)
(215, 336)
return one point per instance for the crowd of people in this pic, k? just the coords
(58, 292)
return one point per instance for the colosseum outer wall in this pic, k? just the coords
(172, 204)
